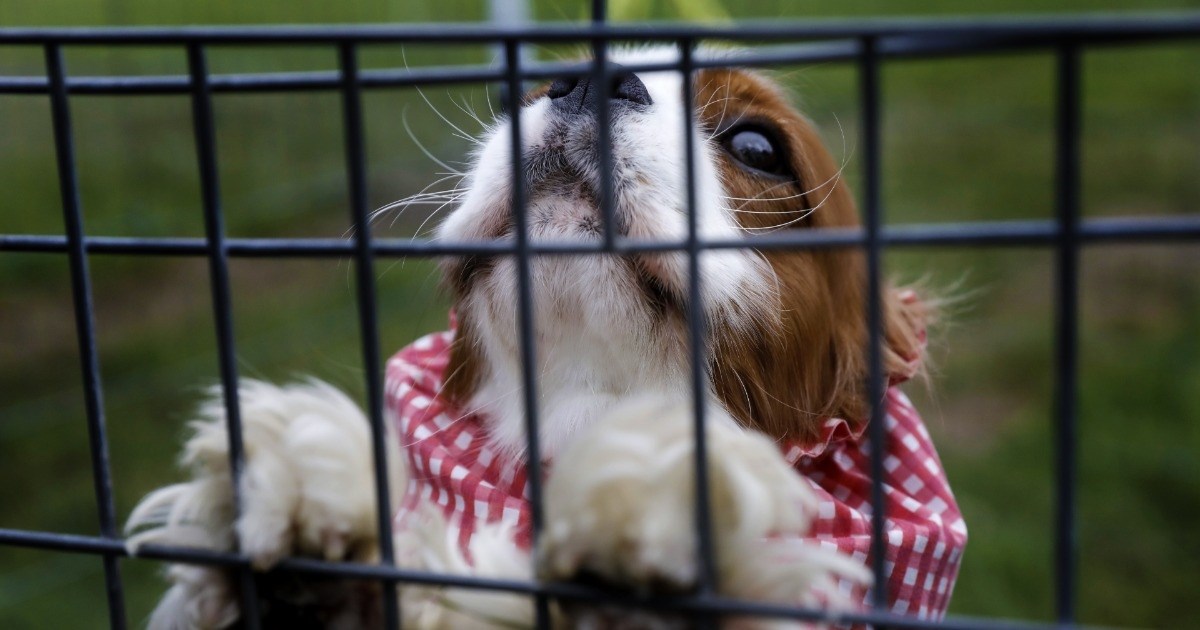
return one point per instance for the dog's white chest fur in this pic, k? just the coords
(594, 349)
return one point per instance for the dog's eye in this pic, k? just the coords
(755, 149)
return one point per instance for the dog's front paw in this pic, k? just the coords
(620, 508)
(618, 504)
(307, 489)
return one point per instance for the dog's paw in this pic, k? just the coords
(424, 541)
(619, 509)
(307, 488)
(330, 447)
(199, 599)
(307, 485)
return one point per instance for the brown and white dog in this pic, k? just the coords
(785, 352)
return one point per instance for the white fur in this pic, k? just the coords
(307, 489)
(596, 343)
(621, 504)
(425, 544)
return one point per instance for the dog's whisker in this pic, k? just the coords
(467, 109)
(459, 130)
(801, 217)
(721, 123)
(487, 97)
(421, 93)
(724, 110)
(417, 234)
(419, 198)
(761, 197)
(429, 154)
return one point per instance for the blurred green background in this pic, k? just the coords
(965, 139)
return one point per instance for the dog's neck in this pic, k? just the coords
(595, 346)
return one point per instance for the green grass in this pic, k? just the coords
(964, 139)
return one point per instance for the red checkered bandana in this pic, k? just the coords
(451, 464)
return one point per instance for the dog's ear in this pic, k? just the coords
(787, 375)
(787, 378)
(464, 371)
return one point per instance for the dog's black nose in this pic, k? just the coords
(574, 95)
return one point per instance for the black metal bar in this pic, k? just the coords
(257, 82)
(218, 271)
(711, 604)
(1031, 233)
(525, 307)
(889, 47)
(85, 328)
(872, 215)
(898, 47)
(706, 562)
(1068, 113)
(601, 78)
(599, 11)
(837, 50)
(1156, 26)
(356, 177)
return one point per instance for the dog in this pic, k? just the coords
(786, 390)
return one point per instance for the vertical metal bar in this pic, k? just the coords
(599, 11)
(1067, 181)
(525, 327)
(218, 271)
(356, 177)
(85, 327)
(601, 80)
(869, 95)
(698, 331)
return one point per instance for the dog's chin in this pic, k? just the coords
(559, 217)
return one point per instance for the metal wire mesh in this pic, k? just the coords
(867, 43)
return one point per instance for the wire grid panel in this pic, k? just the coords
(866, 43)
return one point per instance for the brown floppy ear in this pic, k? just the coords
(787, 378)
(841, 388)
(464, 371)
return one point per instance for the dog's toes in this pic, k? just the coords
(265, 546)
(201, 598)
(269, 496)
(618, 501)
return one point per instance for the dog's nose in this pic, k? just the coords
(573, 95)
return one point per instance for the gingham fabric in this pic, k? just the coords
(451, 464)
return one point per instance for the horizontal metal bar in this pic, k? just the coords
(310, 566)
(894, 47)
(982, 233)
(258, 82)
(1159, 25)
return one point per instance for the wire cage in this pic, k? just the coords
(867, 44)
